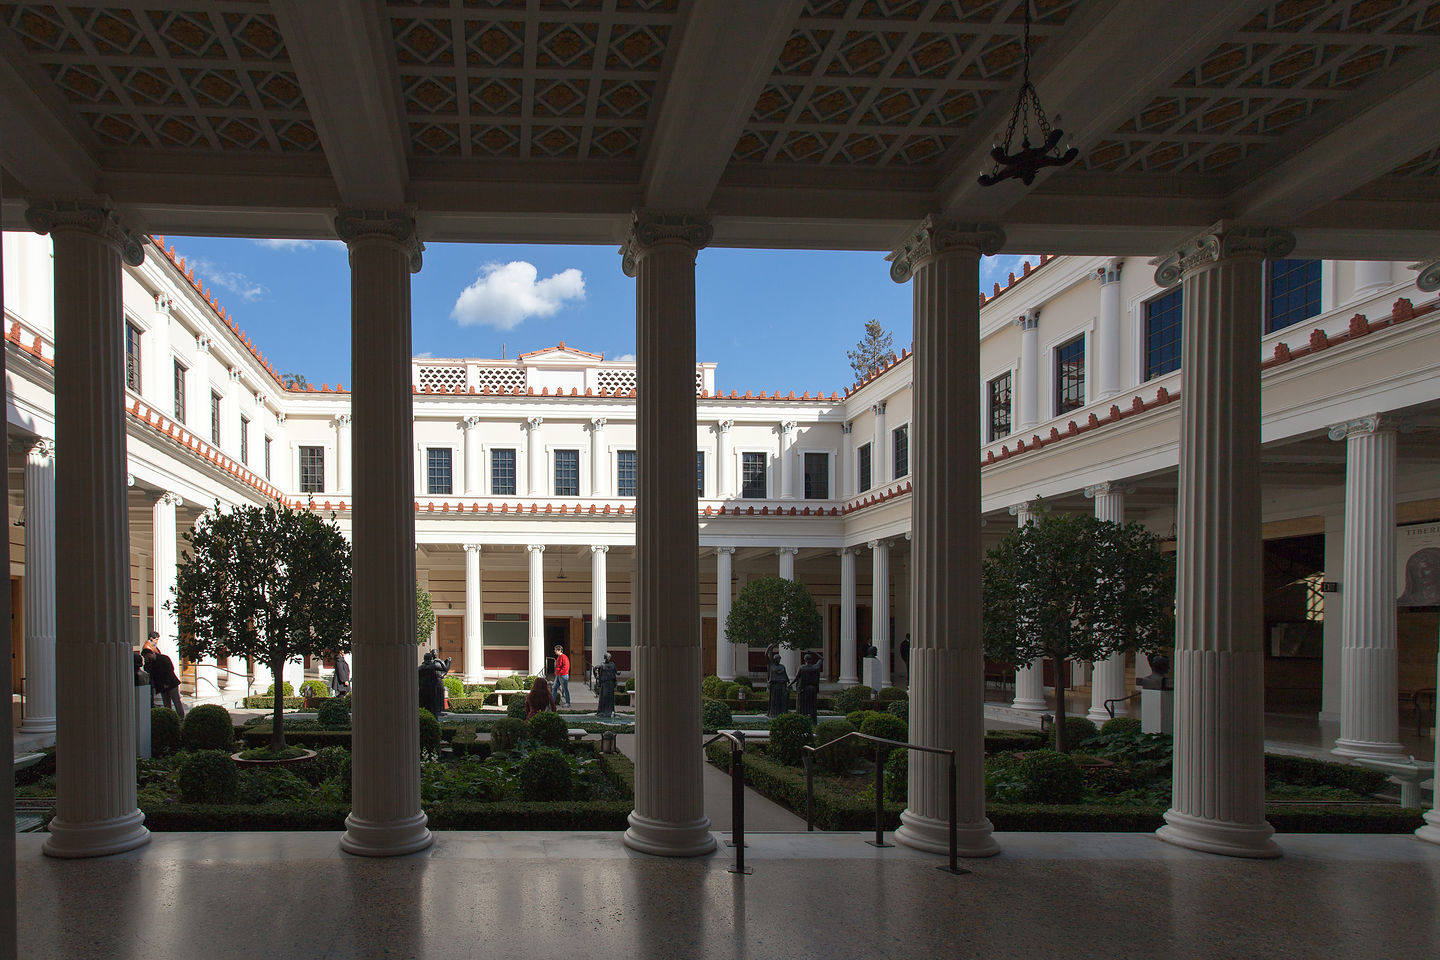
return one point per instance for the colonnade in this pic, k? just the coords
(1218, 801)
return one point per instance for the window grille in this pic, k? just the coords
(700, 474)
(901, 446)
(132, 357)
(567, 473)
(1292, 294)
(1070, 376)
(499, 379)
(502, 473)
(1162, 333)
(312, 469)
(179, 392)
(437, 471)
(611, 380)
(817, 476)
(215, 418)
(999, 407)
(752, 476)
(625, 473)
(245, 441)
(862, 463)
(267, 458)
(442, 378)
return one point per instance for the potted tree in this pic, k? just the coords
(1076, 588)
(271, 584)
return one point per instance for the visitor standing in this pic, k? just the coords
(162, 678)
(562, 675)
(538, 699)
(340, 679)
(905, 655)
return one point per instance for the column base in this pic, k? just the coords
(1217, 836)
(396, 838)
(36, 725)
(1038, 706)
(919, 832)
(1101, 717)
(662, 838)
(99, 839)
(1431, 831)
(852, 681)
(1367, 748)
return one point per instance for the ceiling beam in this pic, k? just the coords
(344, 59)
(726, 54)
(1106, 73)
(36, 146)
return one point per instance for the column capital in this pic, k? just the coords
(720, 550)
(790, 550)
(469, 423)
(847, 551)
(535, 547)
(95, 217)
(597, 423)
(395, 226)
(649, 230)
(1222, 241)
(599, 548)
(788, 426)
(847, 426)
(1374, 423)
(934, 237)
(342, 419)
(724, 425)
(471, 547)
(1024, 506)
(1429, 278)
(1110, 273)
(163, 303)
(202, 344)
(1104, 489)
(167, 497)
(40, 449)
(877, 544)
(534, 422)
(1029, 320)
(878, 408)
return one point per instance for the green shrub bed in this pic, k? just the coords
(268, 703)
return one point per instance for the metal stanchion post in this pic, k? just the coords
(879, 840)
(809, 791)
(954, 866)
(737, 811)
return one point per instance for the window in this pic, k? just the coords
(817, 476)
(901, 445)
(267, 458)
(215, 418)
(1070, 376)
(245, 441)
(700, 474)
(179, 392)
(132, 357)
(862, 463)
(567, 473)
(1292, 292)
(999, 390)
(752, 476)
(437, 471)
(625, 473)
(1162, 334)
(312, 469)
(502, 473)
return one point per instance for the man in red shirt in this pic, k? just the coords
(562, 675)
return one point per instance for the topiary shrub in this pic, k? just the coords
(712, 688)
(545, 775)
(888, 726)
(853, 698)
(745, 682)
(899, 708)
(788, 733)
(515, 706)
(286, 690)
(1051, 777)
(164, 731)
(714, 714)
(549, 728)
(314, 688)
(334, 713)
(454, 687)
(506, 734)
(1121, 726)
(507, 683)
(429, 732)
(897, 777)
(1077, 731)
(206, 776)
(208, 727)
(478, 690)
(892, 693)
(858, 717)
(839, 759)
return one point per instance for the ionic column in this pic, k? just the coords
(782, 462)
(790, 658)
(1219, 775)
(163, 575)
(386, 819)
(198, 383)
(1030, 677)
(39, 608)
(879, 462)
(1028, 387)
(95, 811)
(1428, 278)
(1371, 276)
(474, 467)
(599, 460)
(669, 816)
(342, 451)
(1107, 680)
(724, 468)
(1369, 655)
(947, 688)
(536, 552)
(474, 614)
(1109, 327)
(847, 471)
(599, 618)
(848, 651)
(535, 481)
(725, 651)
(880, 611)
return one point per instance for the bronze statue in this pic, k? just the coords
(432, 687)
(605, 678)
(807, 683)
(778, 681)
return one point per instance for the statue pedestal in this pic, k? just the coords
(868, 673)
(1157, 711)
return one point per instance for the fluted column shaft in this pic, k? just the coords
(879, 459)
(536, 553)
(947, 688)
(535, 471)
(1219, 777)
(1030, 677)
(95, 811)
(849, 665)
(880, 610)
(1028, 389)
(343, 458)
(790, 658)
(1109, 326)
(785, 473)
(474, 613)
(669, 816)
(386, 818)
(599, 601)
(1369, 655)
(1107, 680)
(847, 472)
(599, 460)
(724, 468)
(39, 588)
(163, 573)
(474, 466)
(725, 651)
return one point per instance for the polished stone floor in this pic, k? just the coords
(537, 896)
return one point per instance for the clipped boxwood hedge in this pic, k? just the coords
(268, 703)
(1309, 772)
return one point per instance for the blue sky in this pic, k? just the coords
(771, 319)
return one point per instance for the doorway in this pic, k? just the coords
(450, 641)
(557, 632)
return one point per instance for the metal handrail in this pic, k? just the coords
(1110, 704)
(737, 793)
(808, 754)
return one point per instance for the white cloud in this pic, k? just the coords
(624, 358)
(237, 283)
(286, 244)
(995, 270)
(507, 294)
